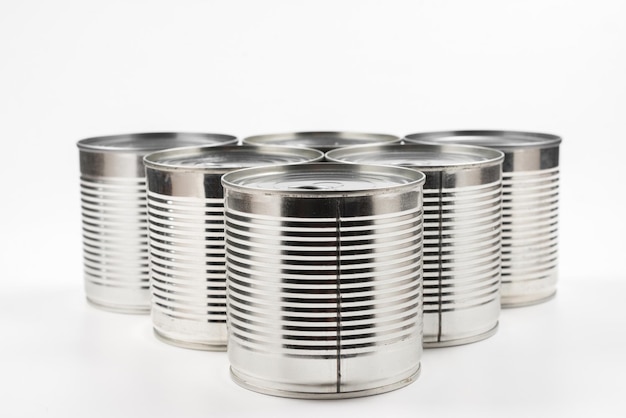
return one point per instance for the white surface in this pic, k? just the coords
(62, 358)
(72, 69)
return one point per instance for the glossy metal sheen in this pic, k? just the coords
(462, 210)
(323, 141)
(113, 200)
(186, 223)
(529, 209)
(324, 279)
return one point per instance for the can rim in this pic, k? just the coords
(500, 139)
(141, 141)
(270, 139)
(414, 178)
(152, 160)
(492, 156)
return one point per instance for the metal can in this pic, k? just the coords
(462, 211)
(186, 228)
(324, 279)
(113, 200)
(323, 141)
(530, 204)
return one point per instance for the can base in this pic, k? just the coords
(461, 341)
(187, 344)
(125, 309)
(517, 302)
(326, 395)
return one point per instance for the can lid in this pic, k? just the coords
(504, 140)
(321, 140)
(419, 156)
(323, 179)
(227, 158)
(153, 141)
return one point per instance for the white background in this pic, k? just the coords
(73, 69)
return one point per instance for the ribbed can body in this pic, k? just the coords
(114, 215)
(115, 243)
(186, 231)
(530, 206)
(187, 263)
(462, 234)
(462, 215)
(324, 293)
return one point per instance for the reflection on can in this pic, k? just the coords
(462, 211)
(530, 204)
(324, 278)
(186, 224)
(113, 200)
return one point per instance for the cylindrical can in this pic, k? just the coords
(115, 224)
(324, 278)
(323, 141)
(462, 211)
(530, 204)
(186, 229)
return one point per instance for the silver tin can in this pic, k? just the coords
(186, 228)
(462, 210)
(530, 204)
(115, 224)
(323, 141)
(324, 279)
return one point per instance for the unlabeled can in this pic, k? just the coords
(186, 224)
(323, 141)
(324, 279)
(115, 224)
(530, 204)
(462, 209)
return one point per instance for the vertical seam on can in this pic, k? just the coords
(150, 261)
(440, 269)
(338, 288)
(500, 239)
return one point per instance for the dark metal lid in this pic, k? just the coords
(153, 141)
(425, 157)
(227, 158)
(324, 141)
(323, 179)
(503, 140)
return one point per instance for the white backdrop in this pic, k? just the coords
(72, 69)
